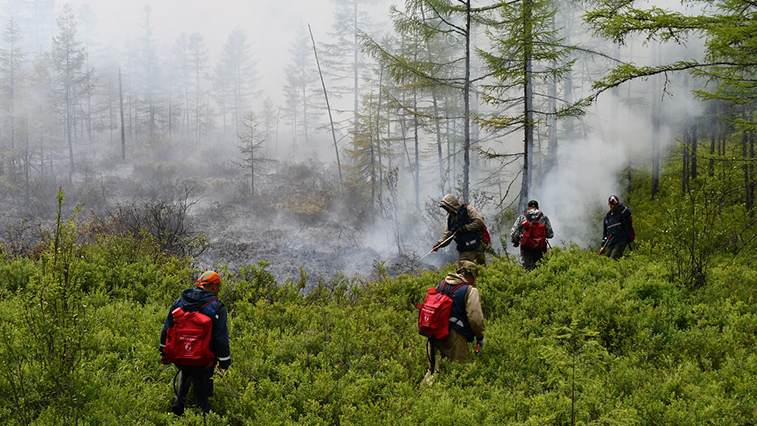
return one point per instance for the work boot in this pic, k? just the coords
(428, 379)
(182, 388)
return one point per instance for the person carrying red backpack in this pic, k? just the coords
(195, 337)
(466, 319)
(531, 231)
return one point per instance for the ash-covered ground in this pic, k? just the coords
(322, 252)
(298, 220)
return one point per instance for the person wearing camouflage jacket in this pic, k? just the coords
(531, 255)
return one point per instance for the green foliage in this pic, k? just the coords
(582, 339)
(696, 227)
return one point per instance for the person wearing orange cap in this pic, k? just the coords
(201, 298)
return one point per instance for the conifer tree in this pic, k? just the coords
(527, 54)
(234, 79)
(250, 141)
(727, 65)
(72, 80)
(445, 21)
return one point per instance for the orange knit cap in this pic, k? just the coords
(208, 277)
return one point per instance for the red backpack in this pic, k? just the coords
(485, 237)
(534, 235)
(433, 321)
(630, 232)
(188, 341)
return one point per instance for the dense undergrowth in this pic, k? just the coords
(581, 340)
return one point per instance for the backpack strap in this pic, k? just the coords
(454, 289)
(215, 299)
(528, 216)
(209, 301)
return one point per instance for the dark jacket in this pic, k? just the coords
(466, 221)
(465, 316)
(458, 318)
(192, 299)
(615, 226)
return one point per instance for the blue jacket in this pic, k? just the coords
(614, 226)
(192, 299)
(466, 240)
(458, 316)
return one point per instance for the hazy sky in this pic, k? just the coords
(270, 25)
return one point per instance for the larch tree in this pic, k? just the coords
(727, 64)
(346, 60)
(526, 55)
(72, 80)
(235, 76)
(197, 60)
(449, 21)
(270, 117)
(37, 20)
(88, 21)
(250, 141)
(149, 80)
(301, 89)
(13, 61)
(180, 86)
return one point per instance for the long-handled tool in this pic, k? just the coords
(602, 250)
(437, 247)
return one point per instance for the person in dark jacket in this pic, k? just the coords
(532, 250)
(202, 298)
(615, 229)
(464, 225)
(466, 319)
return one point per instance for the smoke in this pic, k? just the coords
(574, 195)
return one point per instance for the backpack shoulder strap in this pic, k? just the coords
(454, 289)
(215, 299)
(209, 301)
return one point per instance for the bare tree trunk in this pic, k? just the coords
(686, 144)
(378, 137)
(328, 107)
(656, 119)
(466, 96)
(713, 136)
(437, 120)
(751, 188)
(123, 127)
(69, 137)
(356, 54)
(417, 165)
(252, 160)
(694, 148)
(528, 140)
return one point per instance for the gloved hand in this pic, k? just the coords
(516, 244)
(479, 343)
